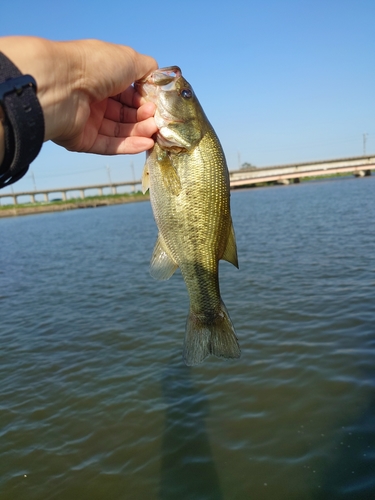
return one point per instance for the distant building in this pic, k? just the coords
(248, 166)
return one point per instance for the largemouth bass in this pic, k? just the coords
(188, 179)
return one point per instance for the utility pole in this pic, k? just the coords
(109, 178)
(364, 144)
(33, 178)
(132, 167)
(14, 197)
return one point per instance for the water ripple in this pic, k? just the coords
(96, 403)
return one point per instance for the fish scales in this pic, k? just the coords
(188, 179)
(192, 223)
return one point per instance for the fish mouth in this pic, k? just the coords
(160, 77)
(150, 87)
(163, 79)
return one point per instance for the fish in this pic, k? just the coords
(188, 181)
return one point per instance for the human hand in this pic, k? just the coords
(84, 88)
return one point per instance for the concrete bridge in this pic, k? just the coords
(63, 191)
(358, 165)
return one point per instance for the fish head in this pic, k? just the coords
(179, 116)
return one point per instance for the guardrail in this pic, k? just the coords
(359, 165)
(82, 189)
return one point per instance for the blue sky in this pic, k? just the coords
(281, 81)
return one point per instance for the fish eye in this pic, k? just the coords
(186, 93)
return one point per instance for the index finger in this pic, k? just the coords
(144, 65)
(126, 97)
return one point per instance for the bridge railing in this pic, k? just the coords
(360, 165)
(64, 191)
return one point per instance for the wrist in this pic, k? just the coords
(36, 56)
(1, 136)
(22, 123)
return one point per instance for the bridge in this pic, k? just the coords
(358, 165)
(64, 191)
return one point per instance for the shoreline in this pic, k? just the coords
(92, 202)
(107, 200)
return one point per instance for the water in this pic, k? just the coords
(96, 403)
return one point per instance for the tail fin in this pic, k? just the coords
(217, 337)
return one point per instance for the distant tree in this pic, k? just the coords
(247, 166)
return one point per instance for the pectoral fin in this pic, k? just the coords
(169, 175)
(230, 253)
(145, 179)
(162, 265)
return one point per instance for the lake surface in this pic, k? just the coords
(96, 403)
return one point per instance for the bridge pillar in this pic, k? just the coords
(63, 195)
(114, 190)
(100, 191)
(46, 197)
(82, 191)
(15, 202)
(32, 196)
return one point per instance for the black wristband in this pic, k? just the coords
(23, 122)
